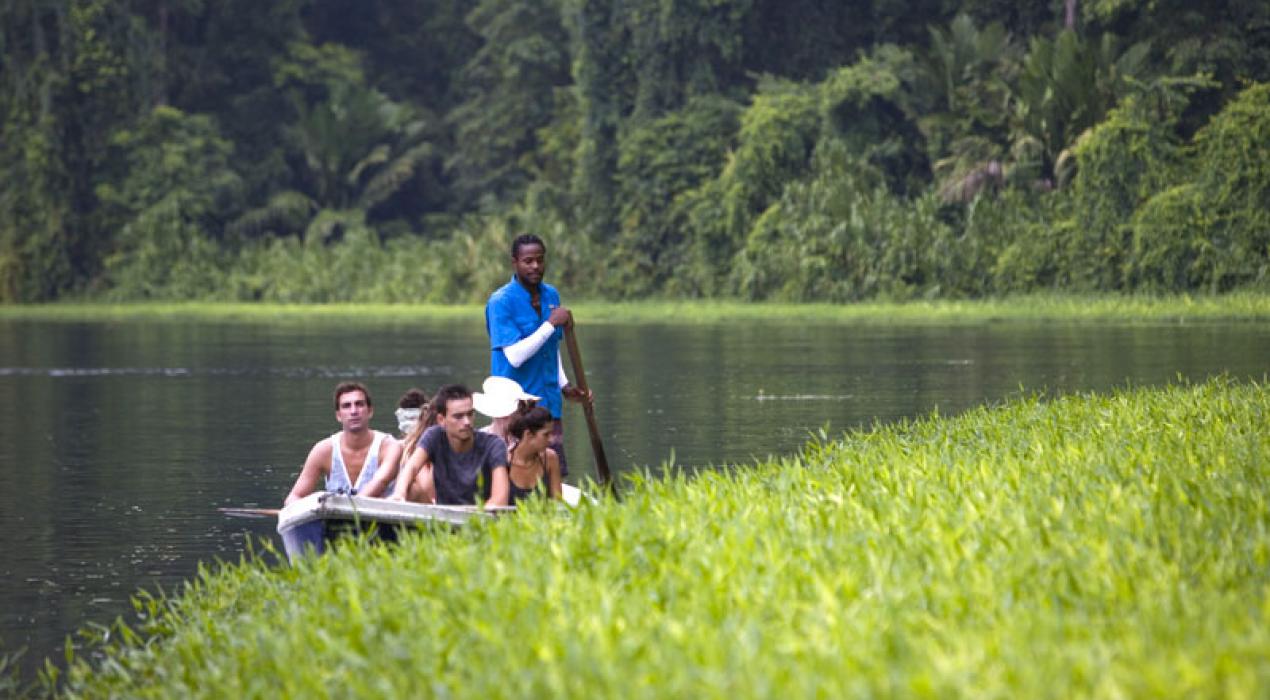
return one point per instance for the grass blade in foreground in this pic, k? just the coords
(1093, 546)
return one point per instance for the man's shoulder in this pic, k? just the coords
(323, 450)
(430, 433)
(386, 441)
(326, 444)
(503, 293)
(490, 444)
(485, 439)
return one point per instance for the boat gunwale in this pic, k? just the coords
(325, 505)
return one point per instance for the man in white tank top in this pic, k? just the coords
(349, 459)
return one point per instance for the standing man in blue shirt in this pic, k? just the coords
(525, 321)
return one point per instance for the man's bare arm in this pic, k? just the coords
(500, 489)
(315, 466)
(389, 458)
(554, 480)
(407, 474)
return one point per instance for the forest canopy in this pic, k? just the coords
(388, 150)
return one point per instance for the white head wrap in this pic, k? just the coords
(406, 418)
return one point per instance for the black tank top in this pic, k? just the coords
(519, 494)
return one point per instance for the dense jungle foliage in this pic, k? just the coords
(385, 150)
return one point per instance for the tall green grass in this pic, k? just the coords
(1092, 546)
(1239, 306)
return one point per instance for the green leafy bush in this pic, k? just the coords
(660, 163)
(177, 187)
(867, 108)
(464, 266)
(1017, 230)
(1121, 163)
(1213, 231)
(1233, 153)
(853, 239)
(777, 137)
(1165, 252)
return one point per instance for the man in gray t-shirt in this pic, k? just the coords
(463, 461)
(458, 476)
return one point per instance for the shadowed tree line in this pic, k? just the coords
(329, 150)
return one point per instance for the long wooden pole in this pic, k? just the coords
(250, 512)
(579, 376)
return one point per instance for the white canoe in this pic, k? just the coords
(309, 523)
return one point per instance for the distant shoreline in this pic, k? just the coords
(1238, 306)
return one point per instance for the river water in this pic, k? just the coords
(119, 440)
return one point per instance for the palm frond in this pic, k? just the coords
(329, 224)
(378, 156)
(388, 180)
(974, 164)
(286, 212)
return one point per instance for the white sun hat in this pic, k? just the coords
(499, 397)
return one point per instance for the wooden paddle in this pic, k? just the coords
(250, 512)
(579, 376)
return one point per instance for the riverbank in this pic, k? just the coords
(1095, 545)
(1242, 306)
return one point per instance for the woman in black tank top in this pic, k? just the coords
(532, 467)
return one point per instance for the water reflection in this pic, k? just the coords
(118, 441)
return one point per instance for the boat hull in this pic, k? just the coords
(309, 525)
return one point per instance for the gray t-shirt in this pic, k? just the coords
(459, 475)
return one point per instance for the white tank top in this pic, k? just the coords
(338, 479)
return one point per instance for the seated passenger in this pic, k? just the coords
(351, 459)
(428, 417)
(532, 467)
(409, 407)
(424, 417)
(453, 463)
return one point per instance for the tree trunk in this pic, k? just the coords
(164, 43)
(1070, 20)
